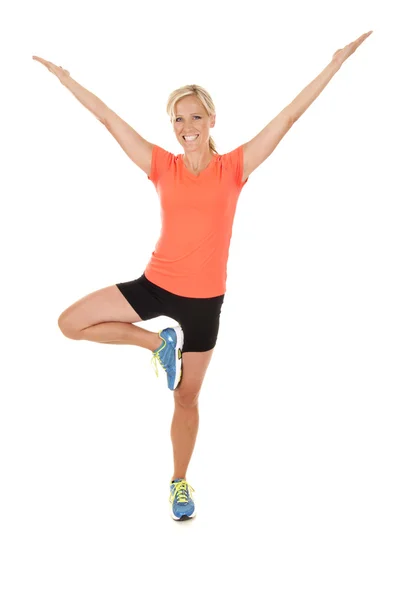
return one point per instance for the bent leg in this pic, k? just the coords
(106, 316)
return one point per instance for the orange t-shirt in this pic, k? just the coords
(197, 214)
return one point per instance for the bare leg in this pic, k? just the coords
(185, 423)
(184, 430)
(105, 316)
(120, 333)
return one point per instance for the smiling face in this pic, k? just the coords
(191, 119)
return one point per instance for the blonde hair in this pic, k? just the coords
(202, 95)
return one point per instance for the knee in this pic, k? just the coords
(66, 328)
(186, 399)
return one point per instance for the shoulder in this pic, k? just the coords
(162, 161)
(233, 161)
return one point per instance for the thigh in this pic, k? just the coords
(127, 302)
(106, 304)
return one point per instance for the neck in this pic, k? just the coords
(198, 160)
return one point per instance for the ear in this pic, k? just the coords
(213, 121)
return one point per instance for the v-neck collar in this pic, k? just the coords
(192, 175)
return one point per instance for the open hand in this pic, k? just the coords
(58, 71)
(341, 55)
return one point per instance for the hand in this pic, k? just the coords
(341, 55)
(58, 71)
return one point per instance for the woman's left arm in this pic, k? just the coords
(262, 145)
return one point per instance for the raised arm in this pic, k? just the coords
(262, 145)
(135, 146)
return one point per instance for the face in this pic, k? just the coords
(192, 119)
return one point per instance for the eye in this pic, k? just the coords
(196, 117)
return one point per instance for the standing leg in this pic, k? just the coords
(185, 423)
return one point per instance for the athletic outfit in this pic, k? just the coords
(185, 278)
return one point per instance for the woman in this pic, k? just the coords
(186, 276)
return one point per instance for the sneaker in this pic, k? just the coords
(169, 355)
(182, 504)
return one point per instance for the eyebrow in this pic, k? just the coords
(195, 113)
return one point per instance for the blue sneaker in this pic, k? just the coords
(182, 504)
(169, 355)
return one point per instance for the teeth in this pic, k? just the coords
(190, 138)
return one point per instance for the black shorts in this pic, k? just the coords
(199, 317)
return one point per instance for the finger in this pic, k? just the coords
(362, 39)
(41, 60)
(364, 36)
(359, 41)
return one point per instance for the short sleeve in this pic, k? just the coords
(235, 163)
(161, 162)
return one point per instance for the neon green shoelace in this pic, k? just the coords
(156, 357)
(181, 491)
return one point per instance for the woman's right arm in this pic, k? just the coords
(89, 100)
(135, 146)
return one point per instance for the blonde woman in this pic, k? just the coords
(185, 278)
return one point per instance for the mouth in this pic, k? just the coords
(191, 140)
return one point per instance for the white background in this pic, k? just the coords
(297, 462)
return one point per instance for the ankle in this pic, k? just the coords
(158, 342)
